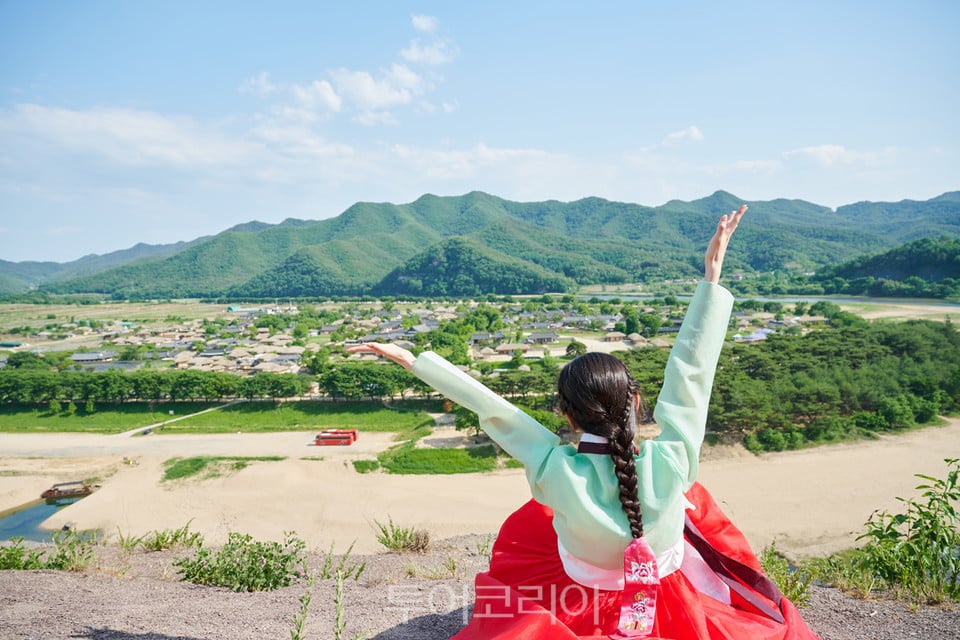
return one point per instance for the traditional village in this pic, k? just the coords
(236, 340)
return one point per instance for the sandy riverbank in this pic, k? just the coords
(812, 502)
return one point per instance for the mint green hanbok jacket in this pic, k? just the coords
(582, 489)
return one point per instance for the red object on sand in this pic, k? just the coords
(336, 437)
(67, 490)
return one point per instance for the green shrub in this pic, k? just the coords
(772, 439)
(794, 438)
(244, 564)
(170, 539)
(14, 556)
(484, 545)
(896, 411)
(402, 539)
(72, 550)
(917, 550)
(366, 466)
(752, 444)
(793, 583)
(339, 615)
(342, 567)
(846, 571)
(303, 612)
(129, 543)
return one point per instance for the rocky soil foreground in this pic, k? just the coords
(136, 596)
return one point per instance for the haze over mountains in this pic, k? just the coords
(478, 243)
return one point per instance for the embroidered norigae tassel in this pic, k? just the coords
(640, 584)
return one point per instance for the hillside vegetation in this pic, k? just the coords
(929, 267)
(478, 243)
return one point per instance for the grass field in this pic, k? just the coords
(112, 418)
(245, 416)
(306, 415)
(405, 459)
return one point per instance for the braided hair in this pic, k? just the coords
(598, 393)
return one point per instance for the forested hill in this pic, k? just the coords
(928, 258)
(928, 267)
(478, 243)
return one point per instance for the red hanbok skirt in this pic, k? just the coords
(526, 595)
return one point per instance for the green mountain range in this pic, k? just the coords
(19, 276)
(478, 243)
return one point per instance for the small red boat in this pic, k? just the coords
(61, 490)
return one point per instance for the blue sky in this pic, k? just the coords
(125, 122)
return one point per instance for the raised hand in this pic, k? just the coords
(717, 249)
(398, 354)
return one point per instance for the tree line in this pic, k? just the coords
(341, 381)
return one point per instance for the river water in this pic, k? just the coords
(25, 522)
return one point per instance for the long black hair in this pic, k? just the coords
(598, 393)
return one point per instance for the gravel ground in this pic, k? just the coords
(136, 596)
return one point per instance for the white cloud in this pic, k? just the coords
(427, 24)
(434, 53)
(259, 85)
(402, 76)
(125, 136)
(373, 118)
(456, 164)
(291, 141)
(318, 93)
(396, 86)
(832, 155)
(294, 114)
(363, 96)
(692, 133)
(756, 166)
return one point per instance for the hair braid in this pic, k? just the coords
(621, 452)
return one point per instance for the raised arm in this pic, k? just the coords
(682, 405)
(717, 249)
(519, 434)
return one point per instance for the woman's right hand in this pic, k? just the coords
(717, 249)
(398, 354)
